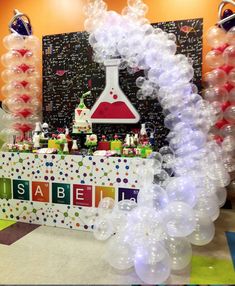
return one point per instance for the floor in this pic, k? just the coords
(48, 255)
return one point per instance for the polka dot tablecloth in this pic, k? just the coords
(97, 177)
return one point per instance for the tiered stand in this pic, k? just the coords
(63, 191)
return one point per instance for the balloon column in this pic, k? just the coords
(21, 91)
(220, 89)
(154, 234)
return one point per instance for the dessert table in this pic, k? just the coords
(64, 190)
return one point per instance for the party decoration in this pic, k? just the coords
(113, 106)
(219, 86)
(152, 232)
(82, 118)
(21, 90)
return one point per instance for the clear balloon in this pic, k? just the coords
(32, 43)
(216, 77)
(103, 228)
(216, 37)
(231, 96)
(182, 189)
(228, 144)
(152, 263)
(155, 197)
(217, 93)
(106, 205)
(231, 77)
(214, 59)
(180, 252)
(231, 36)
(119, 254)
(228, 130)
(229, 114)
(12, 58)
(179, 219)
(221, 194)
(204, 231)
(208, 205)
(13, 41)
(229, 55)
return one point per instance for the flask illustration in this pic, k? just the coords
(113, 106)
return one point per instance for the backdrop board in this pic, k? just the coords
(68, 71)
(64, 191)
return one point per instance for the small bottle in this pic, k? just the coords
(67, 134)
(127, 140)
(68, 138)
(152, 140)
(132, 141)
(74, 149)
(143, 135)
(66, 149)
(36, 143)
(37, 129)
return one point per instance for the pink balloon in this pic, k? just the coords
(216, 37)
(214, 59)
(229, 55)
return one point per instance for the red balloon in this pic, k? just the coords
(22, 51)
(25, 112)
(222, 48)
(221, 123)
(225, 105)
(226, 68)
(24, 83)
(25, 97)
(228, 86)
(218, 139)
(24, 67)
(23, 127)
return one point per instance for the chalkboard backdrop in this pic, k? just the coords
(69, 71)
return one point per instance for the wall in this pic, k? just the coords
(60, 16)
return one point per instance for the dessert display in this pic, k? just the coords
(82, 119)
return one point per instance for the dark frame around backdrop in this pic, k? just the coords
(69, 71)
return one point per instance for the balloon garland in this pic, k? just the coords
(155, 234)
(220, 91)
(21, 90)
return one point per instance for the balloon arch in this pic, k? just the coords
(179, 207)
